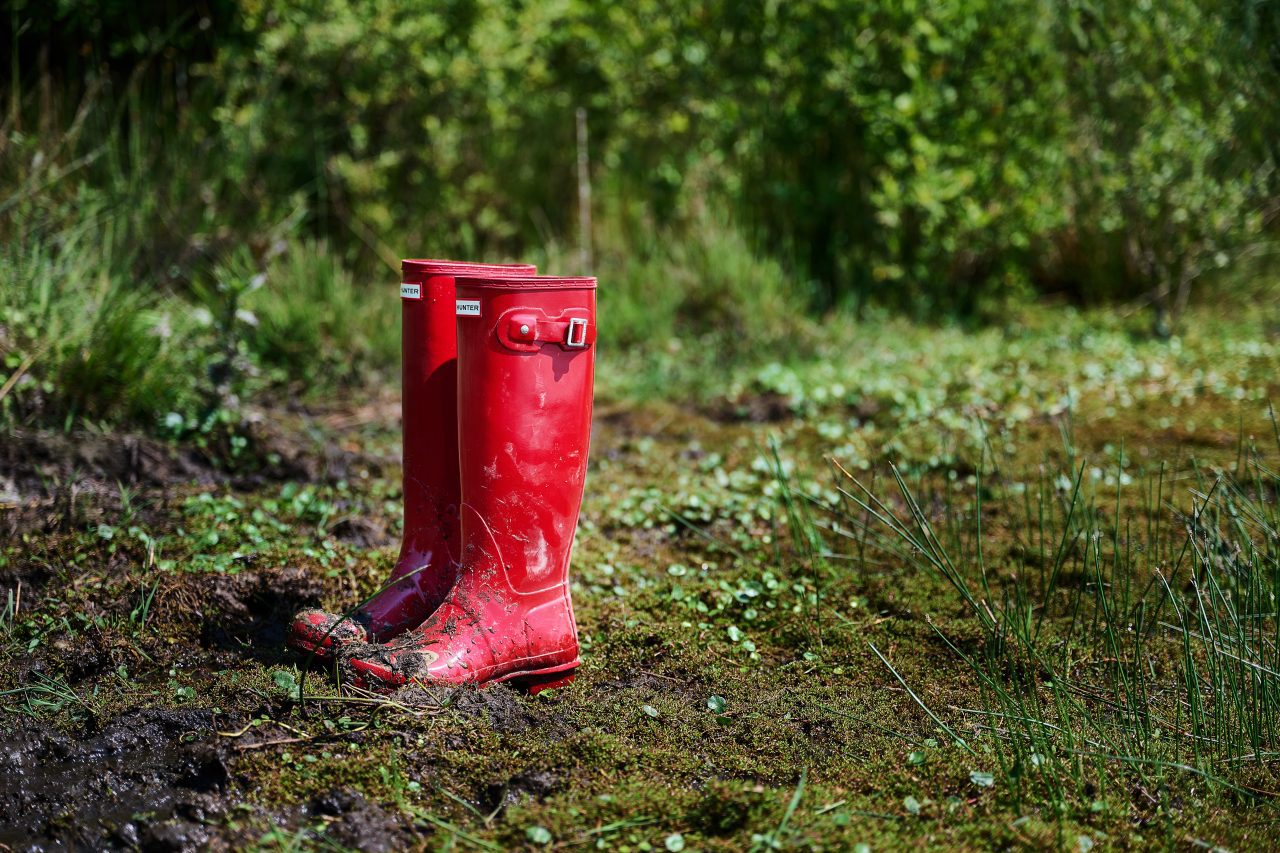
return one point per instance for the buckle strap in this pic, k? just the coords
(527, 329)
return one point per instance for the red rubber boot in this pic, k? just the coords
(526, 364)
(429, 353)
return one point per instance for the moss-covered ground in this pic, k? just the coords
(766, 666)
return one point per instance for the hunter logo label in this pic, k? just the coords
(410, 291)
(468, 307)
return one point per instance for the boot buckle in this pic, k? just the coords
(576, 336)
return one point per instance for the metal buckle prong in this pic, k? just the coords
(577, 334)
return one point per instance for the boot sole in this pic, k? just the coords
(532, 680)
(536, 680)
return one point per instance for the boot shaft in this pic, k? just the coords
(526, 352)
(429, 388)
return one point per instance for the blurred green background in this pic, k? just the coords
(202, 201)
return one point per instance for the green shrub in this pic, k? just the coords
(903, 153)
(436, 126)
(931, 157)
(80, 340)
(1163, 188)
(309, 319)
(750, 160)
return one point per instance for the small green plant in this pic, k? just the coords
(45, 694)
(9, 612)
(139, 615)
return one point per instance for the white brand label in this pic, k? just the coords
(410, 291)
(468, 307)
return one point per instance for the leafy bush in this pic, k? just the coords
(1163, 187)
(435, 126)
(748, 158)
(930, 157)
(904, 153)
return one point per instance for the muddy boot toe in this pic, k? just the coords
(315, 632)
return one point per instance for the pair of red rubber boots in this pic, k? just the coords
(498, 367)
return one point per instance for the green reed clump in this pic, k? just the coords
(1122, 640)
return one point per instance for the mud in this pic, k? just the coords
(149, 779)
(33, 460)
(358, 824)
(157, 780)
(534, 785)
(362, 532)
(500, 706)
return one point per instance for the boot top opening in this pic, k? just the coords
(535, 282)
(413, 269)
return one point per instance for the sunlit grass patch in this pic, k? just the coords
(744, 626)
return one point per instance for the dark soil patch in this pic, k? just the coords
(505, 709)
(765, 408)
(36, 462)
(359, 824)
(250, 611)
(54, 480)
(362, 532)
(501, 707)
(148, 778)
(532, 785)
(155, 780)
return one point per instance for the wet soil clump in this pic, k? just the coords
(358, 824)
(157, 780)
(148, 778)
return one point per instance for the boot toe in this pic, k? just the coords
(385, 667)
(320, 633)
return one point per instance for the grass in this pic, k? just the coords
(126, 301)
(92, 337)
(133, 293)
(1181, 627)
(78, 340)
(1061, 628)
(84, 343)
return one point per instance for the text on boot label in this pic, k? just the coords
(410, 291)
(468, 307)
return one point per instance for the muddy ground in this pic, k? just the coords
(729, 697)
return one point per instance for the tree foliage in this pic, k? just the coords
(937, 157)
